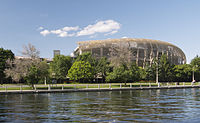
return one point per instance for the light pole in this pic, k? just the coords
(193, 80)
(193, 74)
(156, 72)
(53, 76)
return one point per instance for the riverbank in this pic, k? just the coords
(63, 90)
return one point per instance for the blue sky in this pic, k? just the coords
(59, 24)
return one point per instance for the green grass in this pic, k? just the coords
(16, 88)
(85, 85)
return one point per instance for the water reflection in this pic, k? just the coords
(168, 105)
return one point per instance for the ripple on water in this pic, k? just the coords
(167, 105)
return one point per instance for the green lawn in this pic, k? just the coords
(87, 85)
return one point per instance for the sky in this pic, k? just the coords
(59, 24)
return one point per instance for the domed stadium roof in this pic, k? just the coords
(145, 48)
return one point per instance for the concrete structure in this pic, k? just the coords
(56, 52)
(62, 90)
(48, 60)
(141, 50)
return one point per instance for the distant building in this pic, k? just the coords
(48, 60)
(56, 52)
(142, 50)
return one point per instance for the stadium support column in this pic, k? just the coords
(145, 57)
(80, 51)
(137, 60)
(101, 51)
(151, 55)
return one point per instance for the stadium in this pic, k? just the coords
(142, 51)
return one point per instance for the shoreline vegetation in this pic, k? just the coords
(32, 70)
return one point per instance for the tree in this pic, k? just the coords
(195, 61)
(120, 54)
(30, 51)
(31, 70)
(43, 71)
(195, 64)
(32, 76)
(102, 68)
(165, 69)
(81, 71)
(28, 70)
(119, 74)
(59, 66)
(150, 72)
(87, 57)
(4, 56)
(183, 72)
(136, 72)
(19, 68)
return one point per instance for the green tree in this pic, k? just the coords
(125, 73)
(195, 61)
(43, 67)
(33, 76)
(59, 66)
(183, 73)
(137, 72)
(165, 70)
(4, 56)
(102, 68)
(30, 70)
(81, 71)
(87, 57)
(195, 64)
(150, 72)
(119, 74)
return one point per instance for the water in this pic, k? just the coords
(167, 105)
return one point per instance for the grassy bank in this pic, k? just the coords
(88, 85)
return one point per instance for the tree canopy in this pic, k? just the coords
(30, 51)
(59, 66)
(4, 56)
(88, 68)
(81, 71)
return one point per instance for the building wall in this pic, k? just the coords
(142, 50)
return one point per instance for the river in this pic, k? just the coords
(162, 105)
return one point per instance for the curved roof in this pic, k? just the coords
(93, 42)
(124, 39)
(96, 42)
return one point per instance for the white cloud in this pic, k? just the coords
(70, 35)
(62, 34)
(124, 37)
(45, 32)
(110, 26)
(70, 28)
(113, 32)
(58, 31)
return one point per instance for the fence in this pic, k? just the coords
(50, 87)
